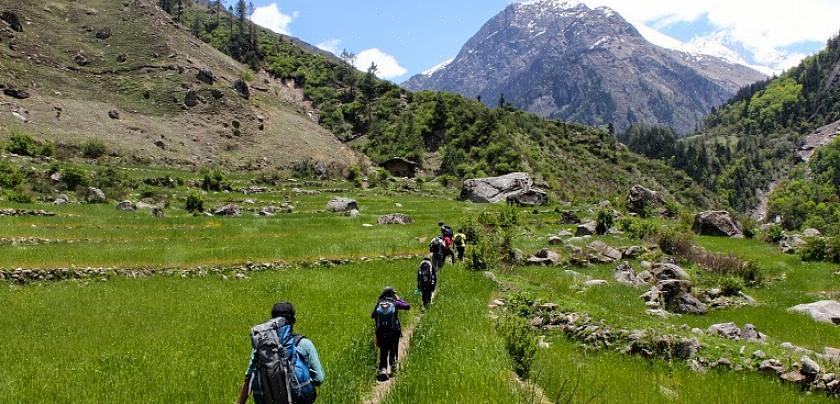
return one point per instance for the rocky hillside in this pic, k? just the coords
(123, 72)
(564, 60)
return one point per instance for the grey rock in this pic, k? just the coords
(339, 204)
(811, 232)
(717, 223)
(686, 303)
(15, 92)
(625, 274)
(662, 271)
(114, 114)
(640, 199)
(758, 354)
(586, 229)
(555, 240)
(826, 311)
(352, 213)
(205, 76)
(565, 233)
(495, 189)
(529, 197)
(126, 206)
(795, 377)
(604, 250)
(750, 333)
(191, 98)
(95, 195)
(632, 252)
(395, 218)
(809, 367)
(687, 348)
(80, 59)
(158, 212)
(241, 88)
(771, 366)
(725, 330)
(595, 282)
(545, 257)
(12, 19)
(228, 210)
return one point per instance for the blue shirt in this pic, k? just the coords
(307, 352)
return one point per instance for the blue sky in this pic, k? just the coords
(407, 37)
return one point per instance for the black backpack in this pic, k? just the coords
(426, 274)
(280, 374)
(385, 317)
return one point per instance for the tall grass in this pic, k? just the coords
(182, 340)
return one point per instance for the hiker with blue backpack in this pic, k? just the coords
(386, 320)
(284, 367)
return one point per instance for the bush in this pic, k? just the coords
(774, 233)
(74, 177)
(22, 144)
(731, 285)
(471, 228)
(520, 343)
(195, 203)
(821, 249)
(728, 265)
(637, 228)
(19, 197)
(676, 243)
(508, 216)
(93, 149)
(484, 255)
(213, 180)
(604, 221)
(10, 176)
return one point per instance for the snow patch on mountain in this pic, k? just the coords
(438, 67)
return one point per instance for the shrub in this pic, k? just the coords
(731, 285)
(603, 221)
(74, 177)
(774, 233)
(93, 149)
(637, 228)
(470, 226)
(213, 180)
(676, 243)
(484, 255)
(520, 342)
(19, 197)
(821, 249)
(10, 176)
(728, 265)
(749, 225)
(508, 216)
(195, 203)
(22, 144)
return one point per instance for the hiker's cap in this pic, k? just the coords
(285, 310)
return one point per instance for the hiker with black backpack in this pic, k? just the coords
(386, 320)
(285, 367)
(438, 249)
(426, 281)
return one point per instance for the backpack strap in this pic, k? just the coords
(298, 338)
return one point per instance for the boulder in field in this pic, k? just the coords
(205, 76)
(625, 274)
(725, 330)
(640, 199)
(228, 210)
(94, 195)
(602, 249)
(114, 114)
(530, 197)
(632, 252)
(126, 206)
(158, 212)
(13, 20)
(595, 282)
(495, 189)
(15, 92)
(664, 271)
(717, 223)
(555, 240)
(586, 229)
(811, 232)
(339, 204)
(80, 59)
(825, 311)
(241, 88)
(569, 217)
(545, 257)
(191, 98)
(395, 218)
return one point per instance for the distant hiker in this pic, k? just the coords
(386, 320)
(460, 243)
(426, 281)
(447, 244)
(445, 231)
(284, 367)
(438, 249)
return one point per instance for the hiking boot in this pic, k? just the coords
(382, 375)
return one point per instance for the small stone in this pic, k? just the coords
(114, 114)
(809, 367)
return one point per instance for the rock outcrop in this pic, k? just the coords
(395, 218)
(641, 199)
(717, 223)
(825, 311)
(342, 205)
(95, 195)
(495, 189)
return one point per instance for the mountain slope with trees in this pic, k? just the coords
(758, 138)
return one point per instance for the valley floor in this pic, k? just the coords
(173, 338)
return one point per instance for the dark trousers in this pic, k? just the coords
(427, 295)
(438, 261)
(388, 347)
(450, 254)
(460, 252)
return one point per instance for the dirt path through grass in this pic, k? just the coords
(381, 389)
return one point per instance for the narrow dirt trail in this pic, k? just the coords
(381, 389)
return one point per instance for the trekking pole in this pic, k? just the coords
(243, 393)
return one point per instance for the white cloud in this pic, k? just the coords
(331, 46)
(270, 16)
(387, 65)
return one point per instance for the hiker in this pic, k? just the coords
(445, 231)
(438, 249)
(273, 384)
(386, 320)
(460, 244)
(447, 252)
(426, 281)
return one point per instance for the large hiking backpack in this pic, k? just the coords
(386, 317)
(426, 274)
(446, 231)
(436, 246)
(280, 374)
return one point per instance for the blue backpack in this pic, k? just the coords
(280, 374)
(386, 317)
